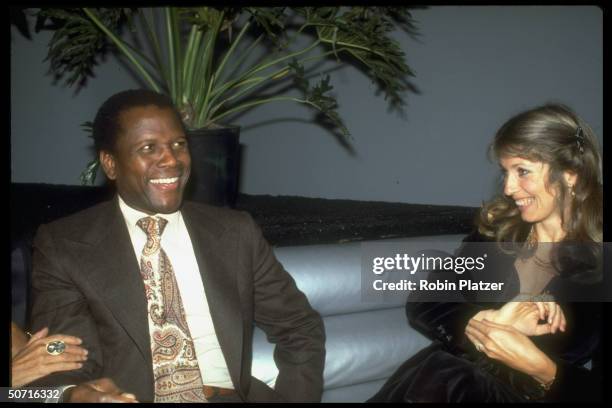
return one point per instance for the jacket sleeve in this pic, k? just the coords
(60, 306)
(577, 384)
(573, 381)
(283, 312)
(443, 321)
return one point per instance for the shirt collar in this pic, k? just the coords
(131, 215)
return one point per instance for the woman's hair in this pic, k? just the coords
(555, 135)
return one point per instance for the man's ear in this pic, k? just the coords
(107, 160)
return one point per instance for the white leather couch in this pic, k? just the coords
(366, 341)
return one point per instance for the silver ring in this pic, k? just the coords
(55, 348)
(479, 347)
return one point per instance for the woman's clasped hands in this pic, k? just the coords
(527, 317)
(503, 335)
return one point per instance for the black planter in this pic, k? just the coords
(215, 160)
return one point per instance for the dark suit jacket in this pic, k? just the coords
(86, 282)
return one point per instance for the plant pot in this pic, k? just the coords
(215, 165)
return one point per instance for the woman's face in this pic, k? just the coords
(526, 182)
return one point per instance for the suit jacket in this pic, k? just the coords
(86, 282)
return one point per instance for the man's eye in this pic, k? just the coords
(522, 172)
(146, 148)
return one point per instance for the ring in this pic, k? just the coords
(479, 347)
(55, 348)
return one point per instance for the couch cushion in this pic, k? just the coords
(330, 275)
(360, 347)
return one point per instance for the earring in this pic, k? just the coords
(571, 190)
(531, 241)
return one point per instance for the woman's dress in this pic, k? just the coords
(452, 370)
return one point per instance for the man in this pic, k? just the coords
(164, 293)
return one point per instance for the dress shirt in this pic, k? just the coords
(176, 242)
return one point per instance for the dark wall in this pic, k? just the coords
(475, 67)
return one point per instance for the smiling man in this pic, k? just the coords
(164, 293)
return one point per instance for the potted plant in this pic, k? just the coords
(218, 62)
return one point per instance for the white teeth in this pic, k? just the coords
(524, 201)
(165, 180)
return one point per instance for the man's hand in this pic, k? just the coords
(511, 347)
(101, 390)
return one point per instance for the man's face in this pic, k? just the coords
(151, 163)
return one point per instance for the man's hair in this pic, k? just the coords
(106, 125)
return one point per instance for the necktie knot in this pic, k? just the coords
(153, 227)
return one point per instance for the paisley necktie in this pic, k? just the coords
(175, 367)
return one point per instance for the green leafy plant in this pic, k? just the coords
(210, 60)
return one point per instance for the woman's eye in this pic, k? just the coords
(522, 172)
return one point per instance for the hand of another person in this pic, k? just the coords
(100, 390)
(33, 361)
(19, 339)
(511, 347)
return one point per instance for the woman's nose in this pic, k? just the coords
(510, 185)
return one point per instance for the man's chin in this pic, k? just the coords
(167, 206)
(168, 209)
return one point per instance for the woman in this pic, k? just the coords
(552, 197)
(41, 355)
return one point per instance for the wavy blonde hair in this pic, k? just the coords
(549, 134)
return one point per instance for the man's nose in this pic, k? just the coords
(168, 157)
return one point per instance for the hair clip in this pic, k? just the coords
(579, 139)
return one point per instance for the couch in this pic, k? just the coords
(366, 341)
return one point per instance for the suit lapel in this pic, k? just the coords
(115, 275)
(215, 253)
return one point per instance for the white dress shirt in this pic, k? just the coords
(176, 243)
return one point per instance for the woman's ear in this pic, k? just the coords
(570, 179)
(107, 160)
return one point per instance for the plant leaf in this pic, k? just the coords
(272, 21)
(364, 34)
(319, 96)
(88, 176)
(77, 42)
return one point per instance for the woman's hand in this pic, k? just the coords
(33, 362)
(511, 347)
(551, 311)
(525, 317)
